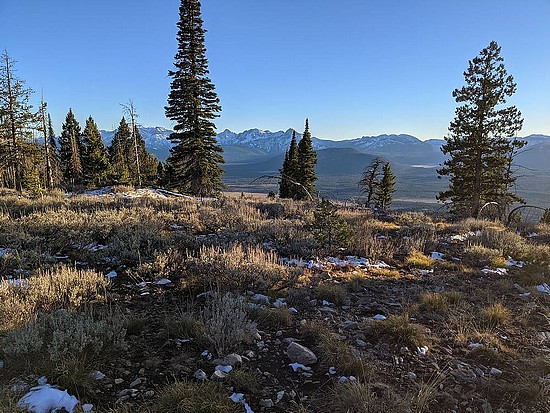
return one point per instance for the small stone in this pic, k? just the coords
(149, 393)
(350, 325)
(135, 383)
(495, 372)
(411, 375)
(379, 317)
(87, 408)
(232, 359)
(280, 396)
(119, 381)
(218, 375)
(250, 354)
(361, 343)
(301, 354)
(266, 403)
(200, 375)
(224, 368)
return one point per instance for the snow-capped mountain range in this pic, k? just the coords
(255, 145)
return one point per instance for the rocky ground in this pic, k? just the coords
(449, 329)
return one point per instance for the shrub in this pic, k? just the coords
(184, 325)
(62, 287)
(226, 322)
(480, 256)
(331, 231)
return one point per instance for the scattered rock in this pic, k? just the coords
(200, 375)
(301, 354)
(266, 403)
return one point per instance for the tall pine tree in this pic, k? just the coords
(118, 154)
(16, 123)
(196, 156)
(290, 171)
(307, 159)
(480, 151)
(70, 152)
(370, 181)
(383, 196)
(54, 154)
(95, 162)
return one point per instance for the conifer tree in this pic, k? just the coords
(16, 122)
(196, 156)
(307, 159)
(118, 153)
(54, 154)
(290, 171)
(384, 193)
(480, 151)
(47, 149)
(70, 152)
(95, 162)
(370, 181)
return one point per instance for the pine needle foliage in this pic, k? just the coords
(479, 146)
(95, 162)
(70, 152)
(195, 158)
(307, 160)
(290, 171)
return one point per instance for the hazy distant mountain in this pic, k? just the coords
(255, 152)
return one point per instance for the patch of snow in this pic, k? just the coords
(380, 317)
(239, 398)
(497, 271)
(437, 256)
(331, 371)
(473, 346)
(4, 251)
(225, 369)
(422, 350)
(111, 274)
(543, 288)
(47, 399)
(162, 281)
(97, 375)
(512, 263)
(298, 366)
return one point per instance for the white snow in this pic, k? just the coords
(47, 399)
(225, 369)
(512, 263)
(4, 251)
(437, 256)
(543, 288)
(162, 281)
(299, 366)
(496, 271)
(111, 274)
(380, 317)
(239, 398)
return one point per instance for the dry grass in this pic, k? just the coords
(235, 268)
(418, 260)
(62, 287)
(357, 397)
(495, 315)
(187, 397)
(268, 318)
(478, 256)
(333, 293)
(398, 330)
(347, 360)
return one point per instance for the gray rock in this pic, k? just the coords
(119, 381)
(495, 372)
(300, 354)
(135, 383)
(266, 403)
(232, 359)
(200, 375)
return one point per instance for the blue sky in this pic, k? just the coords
(354, 67)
